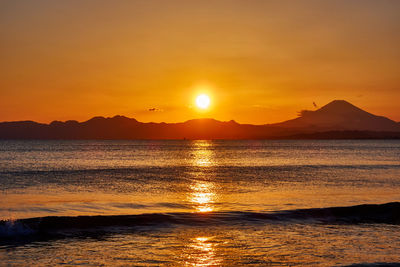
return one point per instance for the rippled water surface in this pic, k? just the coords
(199, 203)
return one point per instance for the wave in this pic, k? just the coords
(388, 213)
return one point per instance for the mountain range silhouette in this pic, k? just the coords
(337, 120)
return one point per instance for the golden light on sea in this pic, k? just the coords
(202, 252)
(202, 195)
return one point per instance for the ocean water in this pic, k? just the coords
(199, 203)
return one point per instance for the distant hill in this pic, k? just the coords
(337, 120)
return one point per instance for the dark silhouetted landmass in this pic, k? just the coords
(336, 120)
(343, 116)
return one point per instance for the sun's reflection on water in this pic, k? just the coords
(203, 153)
(202, 194)
(202, 252)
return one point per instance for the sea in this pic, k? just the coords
(200, 203)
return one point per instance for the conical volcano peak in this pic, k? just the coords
(340, 115)
(340, 106)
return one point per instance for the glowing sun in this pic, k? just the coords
(202, 101)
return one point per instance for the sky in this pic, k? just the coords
(259, 61)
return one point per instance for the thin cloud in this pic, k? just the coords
(155, 110)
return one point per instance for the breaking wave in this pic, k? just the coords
(388, 213)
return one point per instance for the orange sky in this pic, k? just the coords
(260, 61)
